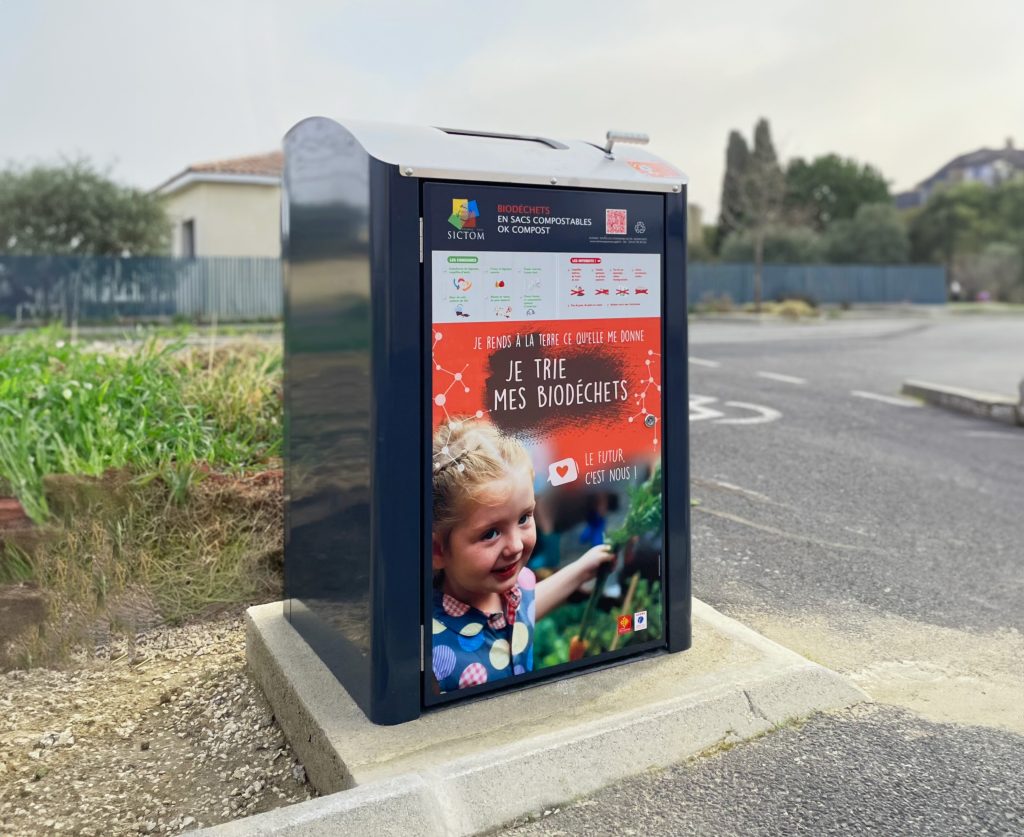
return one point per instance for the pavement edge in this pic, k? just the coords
(985, 404)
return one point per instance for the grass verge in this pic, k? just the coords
(153, 475)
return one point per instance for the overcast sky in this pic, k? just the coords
(147, 87)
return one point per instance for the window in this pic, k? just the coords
(188, 239)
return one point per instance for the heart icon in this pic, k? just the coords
(562, 470)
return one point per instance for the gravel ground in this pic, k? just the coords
(162, 735)
(868, 770)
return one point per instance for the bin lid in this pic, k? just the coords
(455, 154)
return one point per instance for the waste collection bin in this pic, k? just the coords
(486, 444)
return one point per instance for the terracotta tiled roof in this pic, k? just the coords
(270, 164)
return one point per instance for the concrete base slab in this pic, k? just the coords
(467, 768)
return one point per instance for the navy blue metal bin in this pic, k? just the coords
(358, 230)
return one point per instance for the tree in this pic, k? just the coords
(782, 245)
(832, 188)
(877, 234)
(955, 220)
(737, 160)
(73, 209)
(759, 199)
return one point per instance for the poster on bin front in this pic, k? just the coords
(545, 347)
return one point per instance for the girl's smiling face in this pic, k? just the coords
(490, 544)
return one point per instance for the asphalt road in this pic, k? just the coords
(871, 770)
(877, 536)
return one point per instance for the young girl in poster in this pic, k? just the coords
(486, 601)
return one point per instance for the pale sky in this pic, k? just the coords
(147, 87)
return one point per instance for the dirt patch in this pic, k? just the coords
(161, 735)
(124, 553)
(23, 607)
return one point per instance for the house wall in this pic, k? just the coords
(231, 219)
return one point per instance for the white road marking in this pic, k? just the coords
(699, 409)
(699, 361)
(994, 434)
(764, 414)
(885, 399)
(786, 379)
(756, 495)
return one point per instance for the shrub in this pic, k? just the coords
(782, 245)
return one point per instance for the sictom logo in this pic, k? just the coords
(464, 214)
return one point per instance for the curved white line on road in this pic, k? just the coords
(699, 361)
(764, 414)
(885, 399)
(786, 379)
(699, 409)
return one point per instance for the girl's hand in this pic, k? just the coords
(591, 560)
(558, 586)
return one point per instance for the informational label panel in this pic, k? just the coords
(546, 349)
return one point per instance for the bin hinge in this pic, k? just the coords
(423, 639)
(421, 241)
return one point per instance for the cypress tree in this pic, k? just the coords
(737, 160)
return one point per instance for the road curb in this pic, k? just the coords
(452, 772)
(988, 405)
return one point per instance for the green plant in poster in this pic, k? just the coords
(585, 629)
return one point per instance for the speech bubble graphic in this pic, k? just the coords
(563, 471)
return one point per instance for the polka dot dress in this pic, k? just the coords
(468, 651)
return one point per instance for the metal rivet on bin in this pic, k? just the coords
(408, 170)
(650, 421)
(675, 188)
(554, 180)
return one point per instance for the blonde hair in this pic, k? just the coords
(468, 455)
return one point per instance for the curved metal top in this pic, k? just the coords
(450, 154)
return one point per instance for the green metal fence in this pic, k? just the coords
(105, 289)
(87, 289)
(835, 284)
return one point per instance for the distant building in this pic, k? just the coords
(227, 207)
(986, 165)
(233, 208)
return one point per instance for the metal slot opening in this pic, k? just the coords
(550, 143)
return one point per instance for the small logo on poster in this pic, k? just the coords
(464, 214)
(576, 290)
(625, 623)
(640, 228)
(615, 221)
(563, 471)
(640, 620)
(461, 283)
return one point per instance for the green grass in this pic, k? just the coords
(153, 471)
(985, 308)
(155, 408)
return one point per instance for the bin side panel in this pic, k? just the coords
(328, 398)
(677, 437)
(397, 447)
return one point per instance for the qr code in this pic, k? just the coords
(615, 222)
